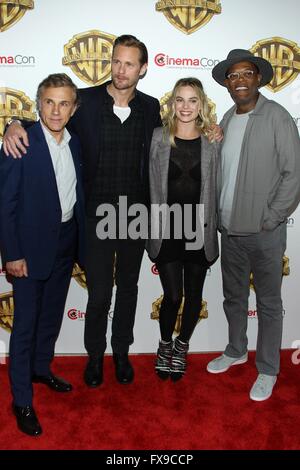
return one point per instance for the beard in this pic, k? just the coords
(123, 84)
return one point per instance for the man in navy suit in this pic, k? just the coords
(41, 235)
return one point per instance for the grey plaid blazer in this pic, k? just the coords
(158, 174)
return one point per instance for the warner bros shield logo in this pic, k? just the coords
(14, 103)
(284, 56)
(189, 15)
(89, 56)
(11, 11)
(6, 311)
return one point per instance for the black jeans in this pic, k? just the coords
(100, 261)
(180, 278)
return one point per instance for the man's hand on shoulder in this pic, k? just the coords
(15, 140)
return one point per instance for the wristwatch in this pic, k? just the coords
(11, 120)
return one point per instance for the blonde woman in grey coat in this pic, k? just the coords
(183, 241)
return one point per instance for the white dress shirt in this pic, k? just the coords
(64, 172)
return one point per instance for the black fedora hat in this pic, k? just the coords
(242, 55)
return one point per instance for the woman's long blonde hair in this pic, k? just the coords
(203, 121)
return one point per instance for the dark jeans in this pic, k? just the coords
(100, 259)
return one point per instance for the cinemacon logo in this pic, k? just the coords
(154, 269)
(253, 313)
(75, 314)
(164, 60)
(17, 60)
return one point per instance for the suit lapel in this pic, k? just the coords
(147, 122)
(206, 153)
(163, 155)
(44, 159)
(74, 151)
(78, 165)
(96, 110)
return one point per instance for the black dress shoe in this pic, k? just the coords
(124, 370)
(55, 383)
(93, 374)
(27, 420)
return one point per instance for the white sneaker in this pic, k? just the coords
(223, 363)
(263, 387)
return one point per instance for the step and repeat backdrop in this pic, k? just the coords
(184, 38)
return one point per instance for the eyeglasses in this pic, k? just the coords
(237, 75)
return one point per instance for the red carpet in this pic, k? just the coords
(202, 411)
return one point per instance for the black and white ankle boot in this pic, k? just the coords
(178, 361)
(163, 359)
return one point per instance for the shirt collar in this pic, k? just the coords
(109, 99)
(52, 141)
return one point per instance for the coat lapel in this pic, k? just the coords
(206, 154)
(163, 157)
(44, 162)
(78, 166)
(96, 116)
(74, 151)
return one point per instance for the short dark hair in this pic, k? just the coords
(131, 41)
(56, 80)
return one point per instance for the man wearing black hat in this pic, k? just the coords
(259, 187)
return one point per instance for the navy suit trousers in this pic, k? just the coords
(38, 313)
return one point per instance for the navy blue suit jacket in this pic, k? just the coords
(30, 211)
